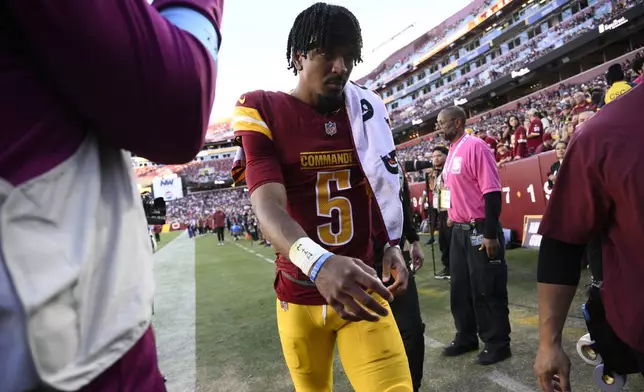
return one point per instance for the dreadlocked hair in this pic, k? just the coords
(323, 26)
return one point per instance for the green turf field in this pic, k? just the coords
(229, 342)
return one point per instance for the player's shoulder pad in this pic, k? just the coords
(248, 115)
(251, 99)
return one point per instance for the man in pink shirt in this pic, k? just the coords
(479, 274)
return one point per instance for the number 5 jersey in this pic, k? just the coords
(313, 156)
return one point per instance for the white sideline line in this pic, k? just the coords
(174, 273)
(432, 343)
(506, 382)
(497, 377)
(266, 259)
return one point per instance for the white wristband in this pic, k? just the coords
(304, 253)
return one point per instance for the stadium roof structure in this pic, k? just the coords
(418, 43)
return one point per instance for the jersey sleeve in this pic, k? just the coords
(261, 165)
(485, 164)
(522, 140)
(248, 116)
(579, 195)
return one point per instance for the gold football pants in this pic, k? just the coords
(372, 353)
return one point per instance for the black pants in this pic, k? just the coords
(640, 360)
(406, 312)
(220, 234)
(444, 238)
(478, 291)
(157, 237)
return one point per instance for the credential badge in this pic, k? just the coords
(330, 128)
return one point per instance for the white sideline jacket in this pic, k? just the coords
(76, 246)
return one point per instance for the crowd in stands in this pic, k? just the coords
(538, 123)
(206, 171)
(520, 56)
(219, 131)
(196, 211)
(191, 172)
(234, 202)
(433, 38)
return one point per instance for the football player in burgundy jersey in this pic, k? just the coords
(308, 191)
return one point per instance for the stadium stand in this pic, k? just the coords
(483, 46)
(462, 81)
(235, 202)
(551, 102)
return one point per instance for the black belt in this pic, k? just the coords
(306, 283)
(467, 226)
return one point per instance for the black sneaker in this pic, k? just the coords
(456, 349)
(489, 357)
(442, 274)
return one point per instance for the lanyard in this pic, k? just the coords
(438, 181)
(450, 158)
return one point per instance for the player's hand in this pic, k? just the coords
(393, 264)
(450, 222)
(343, 282)
(417, 256)
(491, 247)
(552, 368)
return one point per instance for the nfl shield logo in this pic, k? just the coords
(330, 128)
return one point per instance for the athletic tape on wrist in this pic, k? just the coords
(318, 265)
(304, 253)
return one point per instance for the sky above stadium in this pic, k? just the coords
(253, 52)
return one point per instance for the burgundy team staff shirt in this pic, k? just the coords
(115, 68)
(63, 73)
(600, 193)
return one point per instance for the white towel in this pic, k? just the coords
(376, 153)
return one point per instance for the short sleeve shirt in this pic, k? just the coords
(599, 194)
(470, 172)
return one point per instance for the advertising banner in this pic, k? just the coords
(169, 188)
(531, 239)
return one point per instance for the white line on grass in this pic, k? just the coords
(495, 376)
(266, 259)
(175, 312)
(432, 343)
(506, 382)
